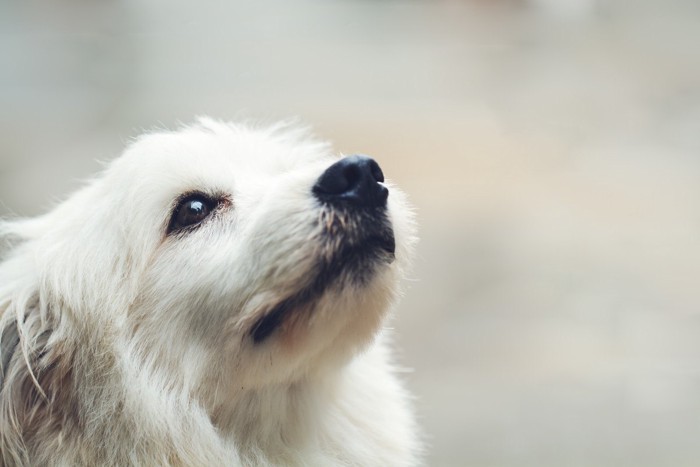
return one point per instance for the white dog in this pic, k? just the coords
(215, 297)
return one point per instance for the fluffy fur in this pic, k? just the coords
(121, 344)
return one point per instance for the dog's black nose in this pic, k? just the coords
(355, 180)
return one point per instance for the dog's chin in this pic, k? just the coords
(348, 260)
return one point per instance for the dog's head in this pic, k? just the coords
(229, 252)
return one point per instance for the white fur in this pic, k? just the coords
(134, 346)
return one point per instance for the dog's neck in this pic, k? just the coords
(282, 413)
(158, 412)
(273, 418)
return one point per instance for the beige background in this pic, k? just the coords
(552, 148)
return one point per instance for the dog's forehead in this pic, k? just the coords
(217, 156)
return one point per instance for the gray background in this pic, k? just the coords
(551, 148)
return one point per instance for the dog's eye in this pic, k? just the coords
(191, 211)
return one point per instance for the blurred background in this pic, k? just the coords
(551, 147)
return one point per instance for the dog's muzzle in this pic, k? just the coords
(356, 237)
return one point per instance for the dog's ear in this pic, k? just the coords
(9, 340)
(35, 380)
(34, 367)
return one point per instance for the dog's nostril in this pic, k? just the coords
(376, 171)
(355, 180)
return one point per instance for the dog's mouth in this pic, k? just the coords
(354, 240)
(352, 246)
(384, 242)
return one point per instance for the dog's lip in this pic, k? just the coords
(377, 245)
(268, 323)
(273, 318)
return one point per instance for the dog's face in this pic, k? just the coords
(243, 257)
